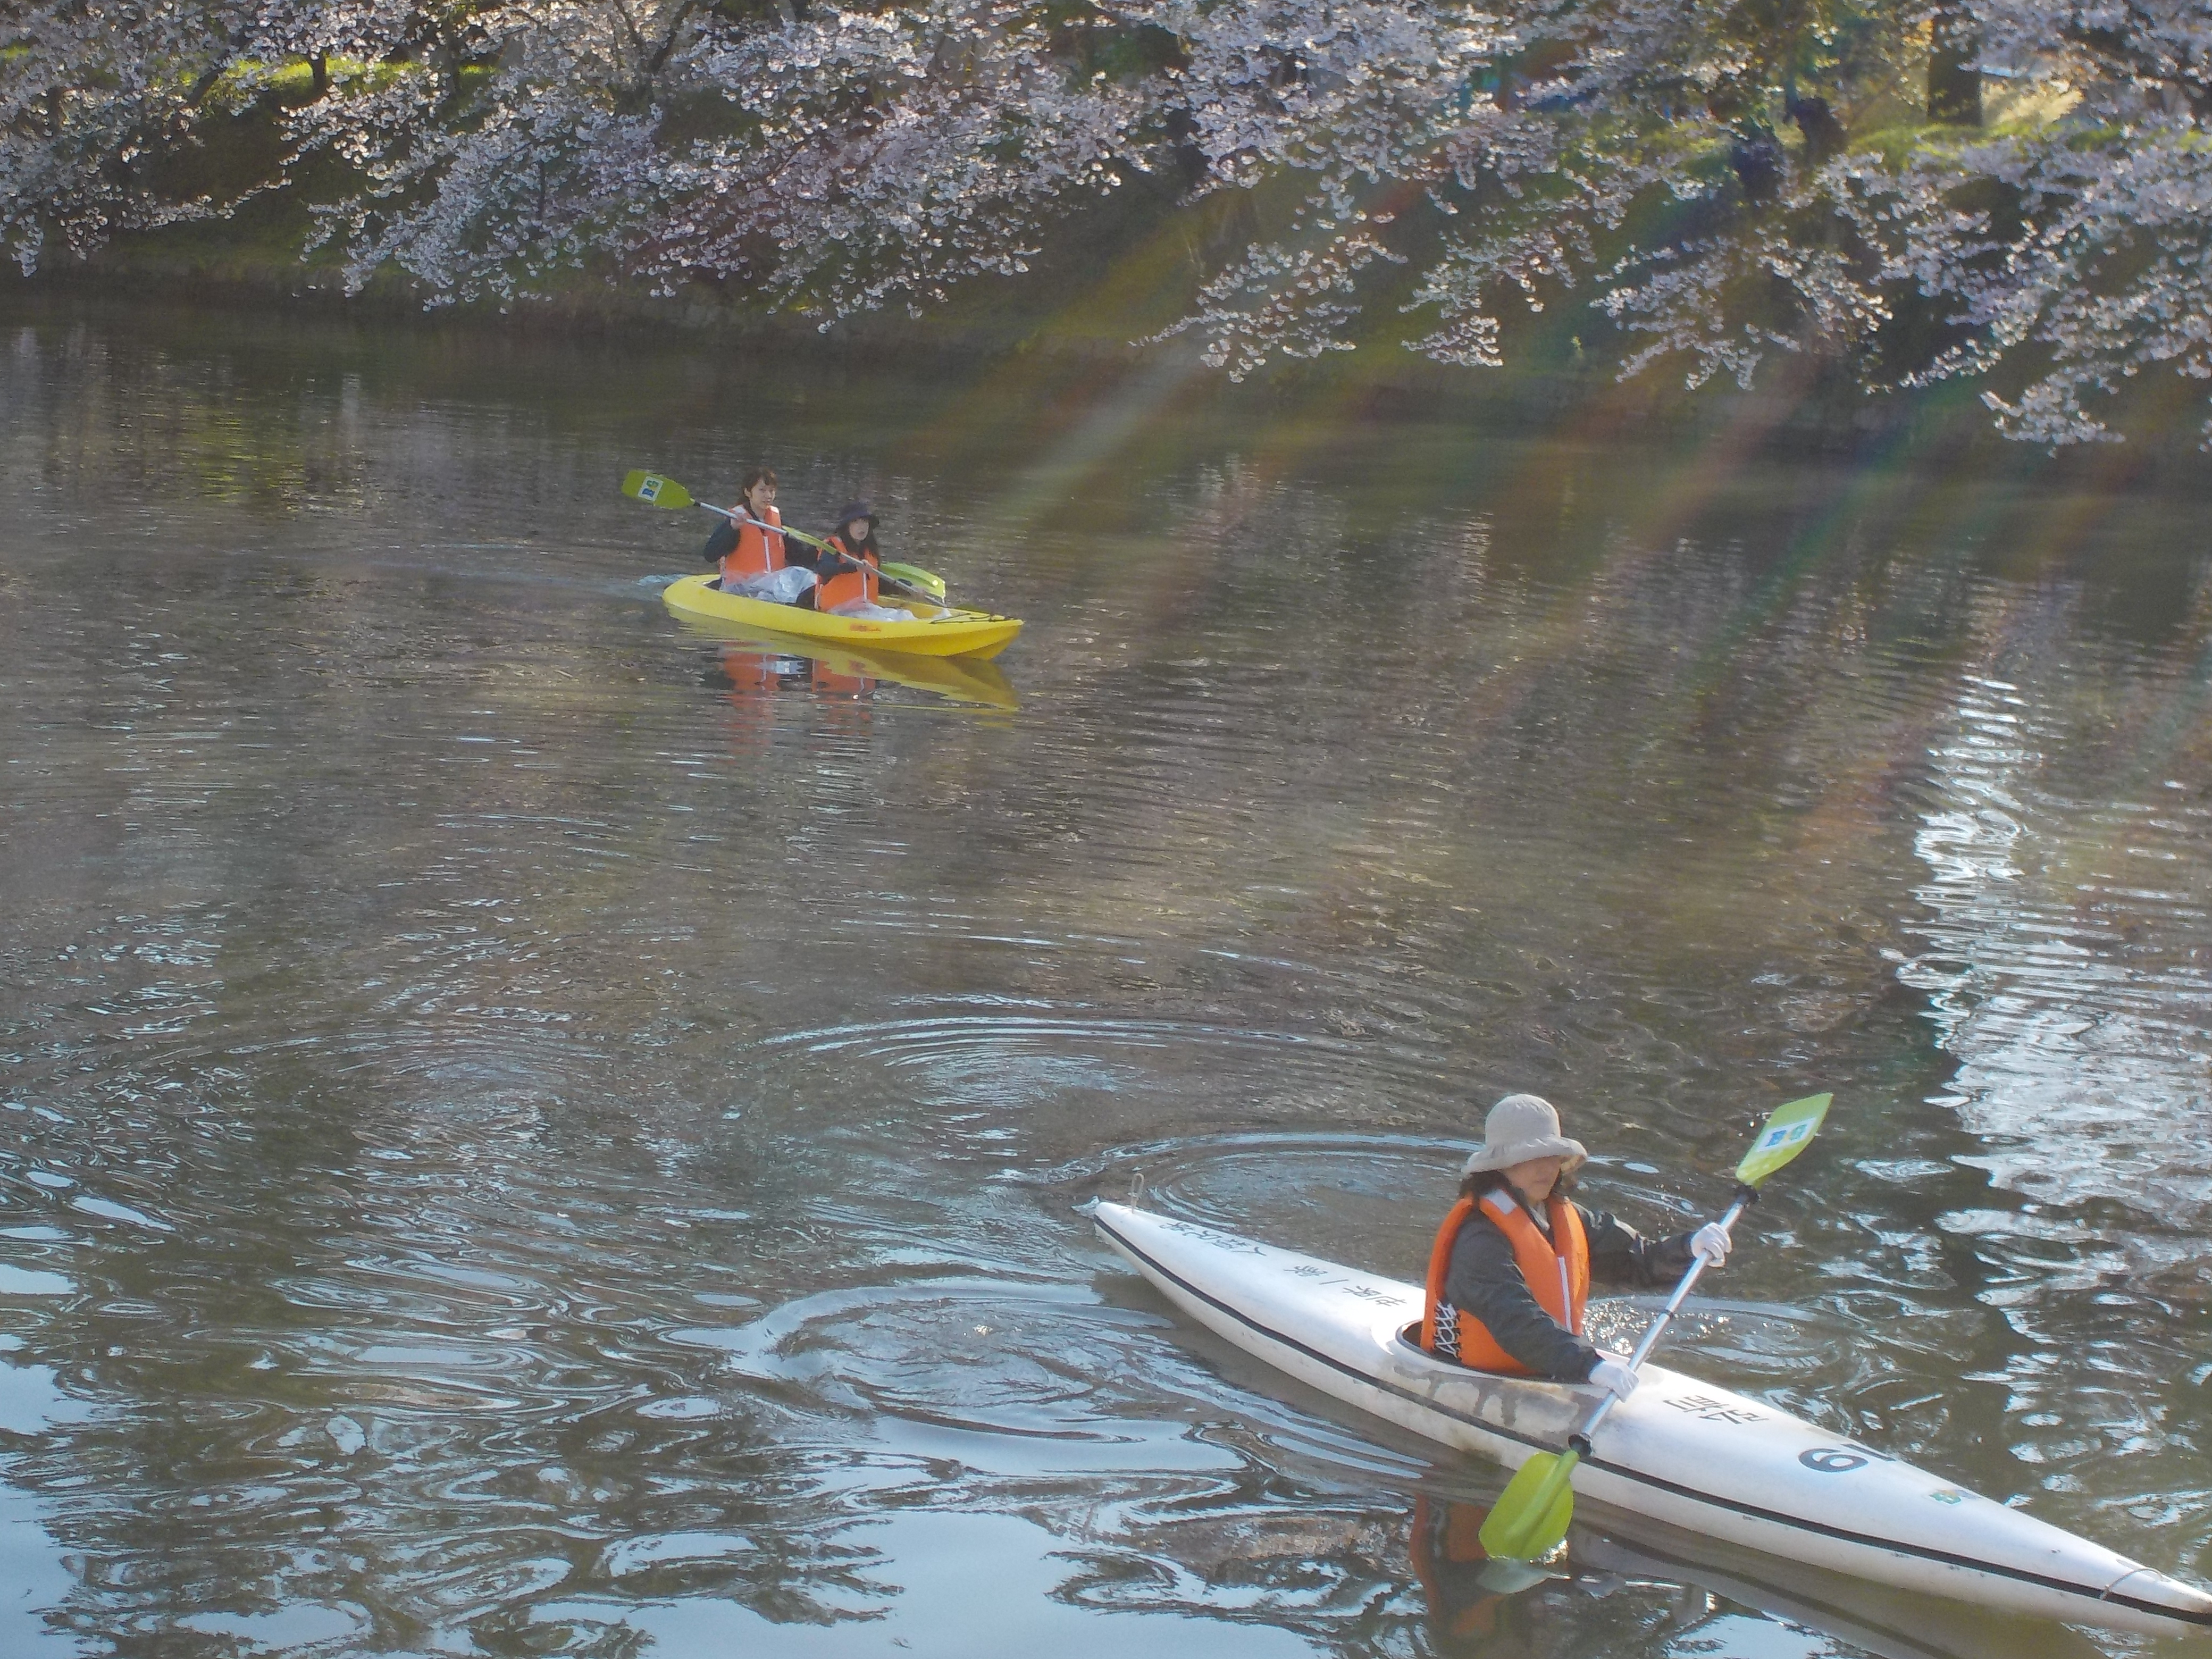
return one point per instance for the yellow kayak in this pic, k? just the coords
(935, 630)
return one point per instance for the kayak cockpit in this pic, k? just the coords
(1404, 1346)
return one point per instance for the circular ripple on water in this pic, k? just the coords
(1032, 1080)
(999, 1355)
(1030, 1381)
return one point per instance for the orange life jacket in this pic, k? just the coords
(752, 671)
(846, 584)
(1443, 1558)
(1556, 1269)
(757, 552)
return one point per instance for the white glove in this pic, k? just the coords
(1710, 1244)
(1613, 1377)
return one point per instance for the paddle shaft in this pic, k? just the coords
(1531, 1515)
(1745, 1197)
(740, 515)
(1512, 1538)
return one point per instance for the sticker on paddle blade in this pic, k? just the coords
(1782, 1138)
(655, 490)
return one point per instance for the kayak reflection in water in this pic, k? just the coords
(1510, 1270)
(1470, 1598)
(758, 675)
(847, 565)
(752, 550)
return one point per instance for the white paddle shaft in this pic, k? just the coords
(738, 515)
(1744, 1195)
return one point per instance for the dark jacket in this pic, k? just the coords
(825, 564)
(1484, 1282)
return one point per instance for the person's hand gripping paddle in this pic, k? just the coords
(1531, 1515)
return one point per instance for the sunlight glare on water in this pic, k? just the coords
(530, 1128)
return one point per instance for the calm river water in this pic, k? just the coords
(529, 1130)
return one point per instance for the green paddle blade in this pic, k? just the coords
(1531, 1515)
(1782, 1138)
(655, 490)
(915, 576)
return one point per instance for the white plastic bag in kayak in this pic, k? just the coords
(868, 612)
(777, 586)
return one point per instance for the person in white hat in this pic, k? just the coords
(1510, 1270)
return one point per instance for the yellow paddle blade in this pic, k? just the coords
(1531, 1515)
(655, 490)
(1781, 1136)
(915, 576)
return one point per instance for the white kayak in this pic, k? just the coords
(1682, 1450)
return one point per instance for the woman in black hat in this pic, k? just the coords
(846, 568)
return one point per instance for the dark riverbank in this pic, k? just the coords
(1033, 355)
(1115, 272)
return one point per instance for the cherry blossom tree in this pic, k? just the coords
(91, 96)
(1905, 191)
(1726, 184)
(2075, 254)
(878, 158)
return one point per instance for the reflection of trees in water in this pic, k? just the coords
(2065, 912)
(381, 1396)
(2058, 931)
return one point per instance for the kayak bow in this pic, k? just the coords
(1682, 1450)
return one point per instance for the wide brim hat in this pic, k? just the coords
(863, 509)
(1520, 1127)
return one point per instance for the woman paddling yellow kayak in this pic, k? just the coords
(902, 618)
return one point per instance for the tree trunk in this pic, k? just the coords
(1954, 85)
